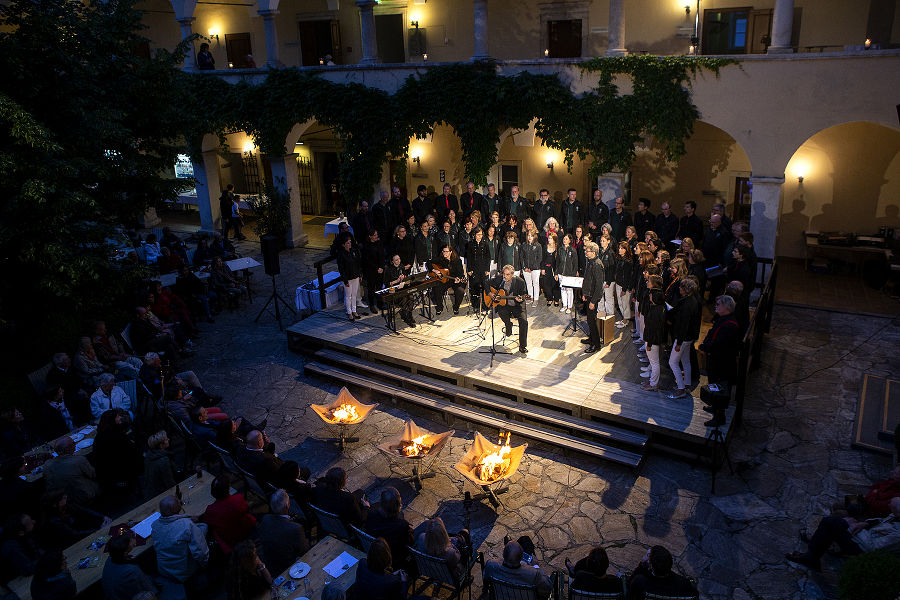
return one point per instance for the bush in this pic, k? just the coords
(871, 576)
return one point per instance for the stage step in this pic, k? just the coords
(562, 440)
(608, 433)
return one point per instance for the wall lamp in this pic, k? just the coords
(800, 178)
(214, 33)
(550, 165)
(417, 160)
(687, 9)
(414, 24)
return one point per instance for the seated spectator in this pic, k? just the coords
(514, 570)
(62, 524)
(147, 337)
(179, 404)
(654, 574)
(180, 543)
(333, 591)
(229, 517)
(205, 428)
(109, 396)
(877, 502)
(19, 551)
(279, 540)
(735, 289)
(222, 248)
(589, 574)
(435, 541)
(116, 456)
(72, 473)
(16, 495)
(854, 537)
(248, 577)
(51, 579)
(330, 495)
(159, 471)
(202, 256)
(171, 241)
(171, 308)
(224, 283)
(123, 579)
(180, 332)
(16, 436)
(294, 479)
(258, 458)
(55, 419)
(387, 522)
(76, 396)
(169, 262)
(112, 353)
(86, 363)
(191, 288)
(155, 377)
(151, 249)
(375, 575)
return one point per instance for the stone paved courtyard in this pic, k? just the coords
(792, 456)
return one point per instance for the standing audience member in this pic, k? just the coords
(279, 540)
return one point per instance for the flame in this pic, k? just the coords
(415, 446)
(493, 466)
(345, 413)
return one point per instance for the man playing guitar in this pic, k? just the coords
(511, 289)
(450, 268)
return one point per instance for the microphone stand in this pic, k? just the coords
(493, 351)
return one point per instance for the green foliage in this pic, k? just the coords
(272, 211)
(870, 576)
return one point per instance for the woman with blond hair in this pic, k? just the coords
(677, 272)
(435, 541)
(532, 255)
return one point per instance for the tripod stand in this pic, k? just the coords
(575, 324)
(275, 297)
(719, 447)
(493, 351)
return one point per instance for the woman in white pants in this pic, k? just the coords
(608, 260)
(567, 264)
(532, 254)
(685, 319)
(624, 279)
(349, 263)
(655, 336)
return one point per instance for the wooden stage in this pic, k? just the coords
(555, 374)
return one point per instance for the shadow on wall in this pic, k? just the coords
(791, 228)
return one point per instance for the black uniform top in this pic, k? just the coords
(349, 263)
(516, 288)
(597, 213)
(462, 242)
(422, 207)
(489, 205)
(623, 276)
(548, 263)
(543, 211)
(594, 277)
(566, 261)
(644, 222)
(478, 258)
(443, 205)
(400, 210)
(392, 274)
(619, 221)
(382, 219)
(519, 208)
(570, 215)
(372, 256)
(685, 318)
(608, 260)
(531, 255)
(455, 266)
(468, 203)
(509, 255)
(655, 322)
(406, 248)
(666, 227)
(424, 248)
(691, 227)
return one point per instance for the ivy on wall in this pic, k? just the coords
(602, 124)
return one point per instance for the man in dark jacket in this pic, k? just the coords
(644, 220)
(257, 459)
(469, 201)
(592, 294)
(516, 205)
(373, 267)
(362, 222)
(280, 540)
(225, 202)
(382, 219)
(666, 225)
(387, 521)
(444, 203)
(514, 289)
(571, 212)
(543, 210)
(690, 225)
(722, 343)
(400, 210)
(597, 214)
(422, 205)
(491, 202)
(715, 240)
(619, 219)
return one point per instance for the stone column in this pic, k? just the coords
(272, 59)
(616, 28)
(284, 178)
(206, 174)
(764, 213)
(190, 60)
(481, 31)
(782, 25)
(367, 31)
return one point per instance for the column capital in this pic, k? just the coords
(366, 3)
(767, 179)
(185, 20)
(268, 13)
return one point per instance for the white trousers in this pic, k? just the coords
(568, 296)
(653, 357)
(532, 283)
(624, 301)
(351, 296)
(639, 325)
(679, 360)
(609, 300)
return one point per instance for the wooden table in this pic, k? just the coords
(89, 431)
(857, 255)
(196, 495)
(242, 264)
(320, 555)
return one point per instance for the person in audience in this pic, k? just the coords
(589, 574)
(72, 473)
(123, 579)
(19, 551)
(147, 337)
(228, 518)
(159, 470)
(190, 287)
(224, 283)
(76, 396)
(333, 591)
(169, 261)
(157, 377)
(248, 578)
(180, 544)
(62, 524)
(221, 248)
(279, 540)
(853, 536)
(116, 456)
(112, 354)
(294, 479)
(152, 250)
(202, 256)
(52, 579)
(171, 308)
(376, 576)
(258, 457)
(877, 501)
(654, 574)
(16, 436)
(330, 495)
(16, 494)
(435, 541)
(86, 363)
(109, 396)
(514, 570)
(387, 522)
(55, 419)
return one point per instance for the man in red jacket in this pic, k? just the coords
(878, 499)
(228, 518)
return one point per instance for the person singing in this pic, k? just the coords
(566, 264)
(592, 294)
(532, 254)
(479, 266)
(350, 268)
(514, 289)
(450, 260)
(548, 272)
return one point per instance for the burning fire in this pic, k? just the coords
(415, 446)
(492, 466)
(345, 413)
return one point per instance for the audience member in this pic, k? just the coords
(877, 502)
(117, 458)
(248, 577)
(435, 541)
(86, 363)
(376, 576)
(51, 579)
(191, 288)
(76, 397)
(589, 574)
(147, 337)
(228, 518)
(109, 396)
(159, 471)
(16, 495)
(258, 457)
(62, 524)
(19, 550)
(280, 540)
(123, 579)
(294, 479)
(72, 473)
(112, 354)
(330, 496)
(55, 419)
(654, 574)
(514, 570)
(16, 437)
(387, 522)
(180, 543)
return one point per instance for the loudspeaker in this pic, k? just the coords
(269, 245)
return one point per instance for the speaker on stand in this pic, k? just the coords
(272, 266)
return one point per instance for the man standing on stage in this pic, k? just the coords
(570, 212)
(517, 206)
(382, 220)
(598, 214)
(592, 294)
(690, 225)
(619, 219)
(422, 205)
(400, 210)
(667, 226)
(468, 202)
(444, 203)
(543, 210)
(490, 203)
(514, 289)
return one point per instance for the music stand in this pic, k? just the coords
(575, 283)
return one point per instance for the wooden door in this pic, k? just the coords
(564, 38)
(389, 38)
(237, 49)
(760, 31)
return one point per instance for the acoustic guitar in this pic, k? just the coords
(495, 297)
(443, 273)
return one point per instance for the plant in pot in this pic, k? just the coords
(272, 212)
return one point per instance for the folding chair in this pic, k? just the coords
(582, 595)
(38, 379)
(365, 540)
(330, 523)
(434, 571)
(500, 589)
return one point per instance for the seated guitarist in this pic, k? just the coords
(514, 288)
(394, 275)
(454, 277)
